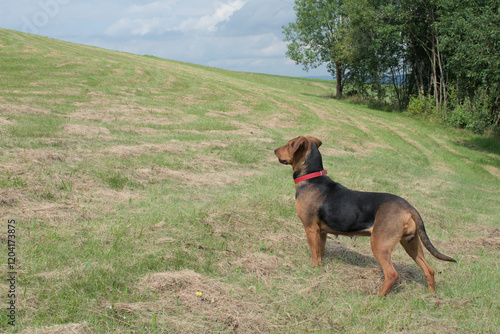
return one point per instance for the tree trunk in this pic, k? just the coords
(340, 77)
(442, 77)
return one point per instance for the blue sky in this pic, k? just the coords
(240, 35)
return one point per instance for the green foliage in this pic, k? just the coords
(419, 106)
(415, 49)
(473, 114)
(319, 36)
(470, 31)
(470, 35)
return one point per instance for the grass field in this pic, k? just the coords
(147, 199)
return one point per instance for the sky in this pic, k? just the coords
(239, 35)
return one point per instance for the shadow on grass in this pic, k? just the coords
(339, 251)
(482, 144)
(345, 254)
(358, 101)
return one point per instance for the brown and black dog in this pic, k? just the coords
(325, 206)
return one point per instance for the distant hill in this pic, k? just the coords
(322, 77)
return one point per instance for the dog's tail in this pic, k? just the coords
(425, 239)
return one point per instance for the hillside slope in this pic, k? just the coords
(147, 198)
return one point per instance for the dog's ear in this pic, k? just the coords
(296, 144)
(315, 140)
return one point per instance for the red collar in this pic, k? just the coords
(310, 176)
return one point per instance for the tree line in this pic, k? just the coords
(426, 56)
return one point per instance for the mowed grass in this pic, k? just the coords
(148, 200)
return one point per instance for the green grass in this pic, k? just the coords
(138, 182)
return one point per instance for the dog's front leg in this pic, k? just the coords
(316, 243)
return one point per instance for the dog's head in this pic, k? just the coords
(296, 150)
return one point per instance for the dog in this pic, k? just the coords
(325, 206)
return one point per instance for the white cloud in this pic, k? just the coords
(135, 27)
(209, 22)
(277, 48)
(153, 18)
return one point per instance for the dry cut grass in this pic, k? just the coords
(148, 200)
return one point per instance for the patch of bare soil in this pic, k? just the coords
(73, 328)
(200, 297)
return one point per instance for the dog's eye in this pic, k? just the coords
(293, 143)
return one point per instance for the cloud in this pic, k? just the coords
(153, 18)
(244, 35)
(135, 27)
(209, 22)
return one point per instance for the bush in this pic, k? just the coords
(474, 114)
(458, 117)
(419, 106)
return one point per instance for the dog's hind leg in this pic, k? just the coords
(414, 249)
(382, 254)
(385, 237)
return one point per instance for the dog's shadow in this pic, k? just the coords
(338, 251)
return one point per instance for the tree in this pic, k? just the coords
(470, 31)
(318, 36)
(442, 55)
(378, 48)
